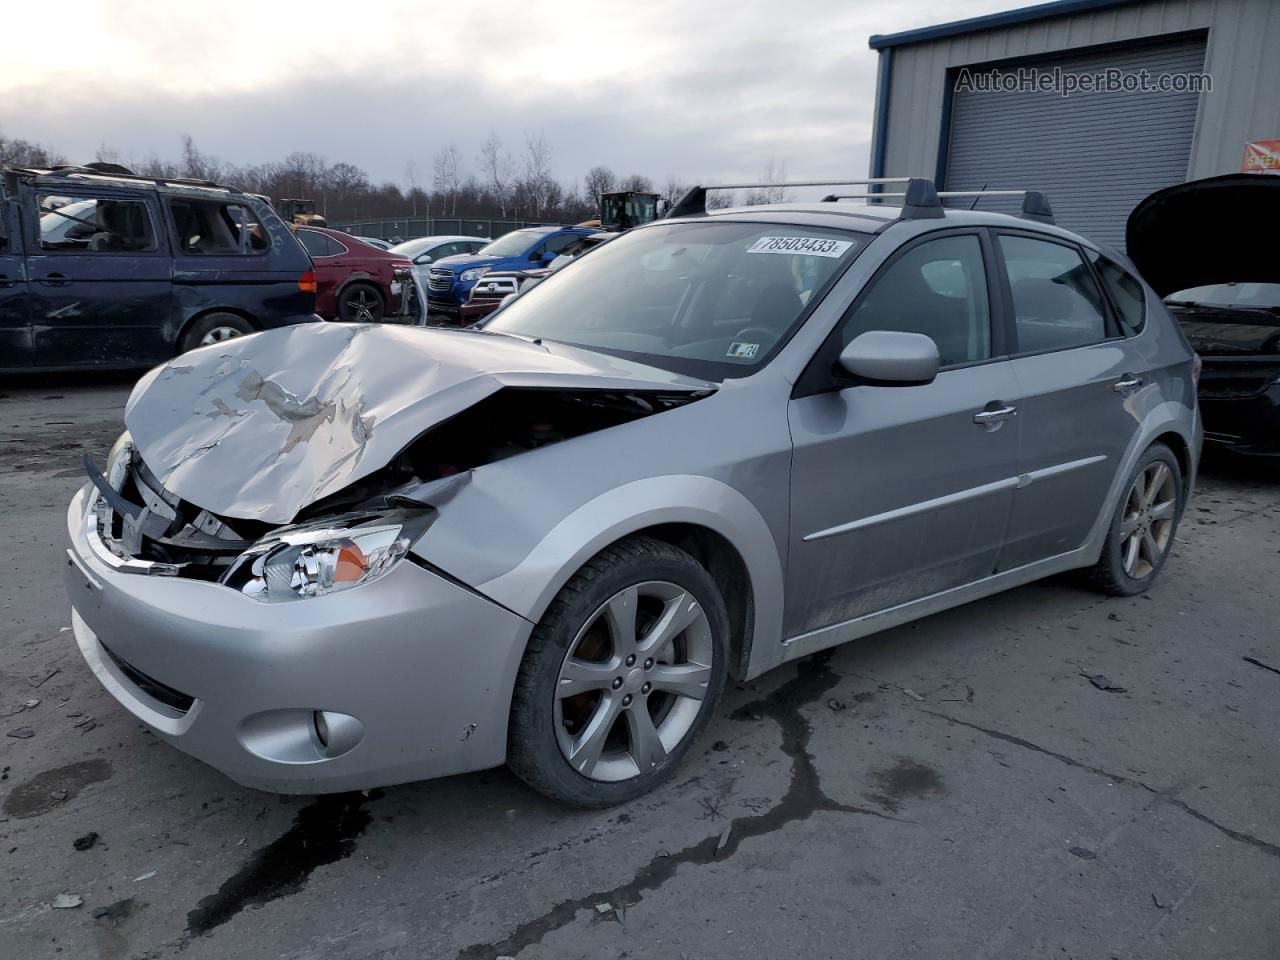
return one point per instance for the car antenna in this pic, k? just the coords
(979, 197)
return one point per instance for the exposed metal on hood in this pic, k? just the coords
(1215, 230)
(260, 426)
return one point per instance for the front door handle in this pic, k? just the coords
(990, 416)
(54, 280)
(1126, 383)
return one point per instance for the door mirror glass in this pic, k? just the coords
(425, 258)
(891, 358)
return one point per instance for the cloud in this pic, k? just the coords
(707, 90)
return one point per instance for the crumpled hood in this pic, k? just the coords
(260, 426)
(1216, 230)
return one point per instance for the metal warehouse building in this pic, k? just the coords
(975, 103)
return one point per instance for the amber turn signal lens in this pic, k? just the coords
(307, 282)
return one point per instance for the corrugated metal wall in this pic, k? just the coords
(1094, 154)
(1242, 54)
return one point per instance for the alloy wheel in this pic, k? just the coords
(218, 335)
(361, 305)
(1147, 524)
(633, 682)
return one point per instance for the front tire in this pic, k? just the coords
(1144, 525)
(213, 328)
(621, 676)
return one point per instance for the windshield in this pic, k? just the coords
(1259, 296)
(702, 298)
(510, 244)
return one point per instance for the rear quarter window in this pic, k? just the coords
(1125, 292)
(216, 228)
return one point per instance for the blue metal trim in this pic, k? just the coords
(880, 129)
(991, 21)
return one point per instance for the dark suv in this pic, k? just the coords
(112, 270)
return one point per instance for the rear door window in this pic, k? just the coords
(320, 244)
(1057, 305)
(215, 228)
(94, 224)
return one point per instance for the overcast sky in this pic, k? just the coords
(703, 89)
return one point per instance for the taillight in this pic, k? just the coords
(307, 282)
(1196, 364)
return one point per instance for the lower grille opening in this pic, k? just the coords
(160, 692)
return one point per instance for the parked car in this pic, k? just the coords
(358, 283)
(376, 242)
(495, 286)
(722, 441)
(1225, 294)
(450, 279)
(128, 271)
(424, 251)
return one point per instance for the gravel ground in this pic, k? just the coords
(953, 788)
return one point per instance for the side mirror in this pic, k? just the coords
(547, 256)
(891, 358)
(424, 258)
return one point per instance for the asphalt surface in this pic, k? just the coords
(954, 788)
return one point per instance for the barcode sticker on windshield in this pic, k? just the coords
(811, 246)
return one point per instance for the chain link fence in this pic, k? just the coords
(397, 229)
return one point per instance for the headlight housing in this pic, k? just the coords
(475, 273)
(119, 460)
(326, 556)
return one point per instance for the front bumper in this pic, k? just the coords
(424, 666)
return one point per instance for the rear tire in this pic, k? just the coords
(213, 328)
(621, 676)
(1145, 523)
(361, 303)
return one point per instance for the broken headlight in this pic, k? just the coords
(119, 460)
(325, 556)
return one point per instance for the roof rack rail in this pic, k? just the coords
(919, 198)
(1035, 205)
(107, 171)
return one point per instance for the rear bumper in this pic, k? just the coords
(1246, 425)
(416, 671)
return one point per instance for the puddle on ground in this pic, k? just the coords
(53, 788)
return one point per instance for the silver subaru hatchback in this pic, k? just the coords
(334, 556)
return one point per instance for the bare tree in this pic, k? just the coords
(411, 175)
(498, 169)
(537, 182)
(447, 175)
(198, 165)
(636, 182)
(674, 188)
(775, 174)
(597, 181)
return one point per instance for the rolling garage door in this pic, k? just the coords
(1094, 154)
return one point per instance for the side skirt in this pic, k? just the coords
(804, 644)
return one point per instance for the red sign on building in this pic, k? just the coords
(1261, 156)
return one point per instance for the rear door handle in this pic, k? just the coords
(1126, 383)
(984, 417)
(54, 280)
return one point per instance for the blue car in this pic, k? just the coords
(450, 281)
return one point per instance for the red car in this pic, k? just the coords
(358, 282)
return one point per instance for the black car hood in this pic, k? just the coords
(1217, 230)
(260, 426)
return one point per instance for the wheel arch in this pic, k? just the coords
(195, 318)
(721, 528)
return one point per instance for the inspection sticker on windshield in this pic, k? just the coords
(812, 246)
(742, 351)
